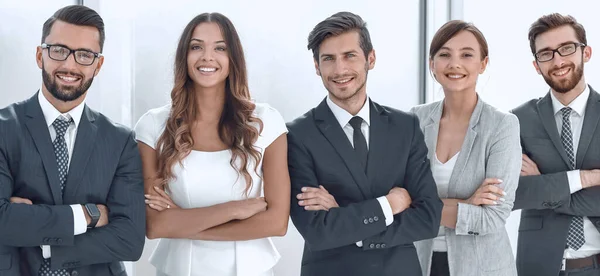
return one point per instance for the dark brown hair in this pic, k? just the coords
(338, 24)
(76, 15)
(176, 141)
(451, 29)
(553, 21)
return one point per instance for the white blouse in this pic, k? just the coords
(441, 174)
(205, 179)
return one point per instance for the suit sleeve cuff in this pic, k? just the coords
(46, 251)
(79, 222)
(574, 181)
(387, 210)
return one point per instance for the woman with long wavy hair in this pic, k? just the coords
(215, 163)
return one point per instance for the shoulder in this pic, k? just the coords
(105, 125)
(526, 109)
(424, 110)
(273, 124)
(397, 117)
(266, 112)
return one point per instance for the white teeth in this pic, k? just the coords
(342, 81)
(206, 69)
(68, 79)
(561, 72)
(454, 76)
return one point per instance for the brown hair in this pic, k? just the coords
(76, 15)
(176, 142)
(553, 21)
(451, 29)
(338, 24)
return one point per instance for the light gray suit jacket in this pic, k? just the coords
(479, 245)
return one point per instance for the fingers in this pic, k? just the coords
(156, 207)
(159, 201)
(20, 200)
(315, 208)
(491, 181)
(161, 192)
(493, 189)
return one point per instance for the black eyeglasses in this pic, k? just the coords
(60, 53)
(563, 51)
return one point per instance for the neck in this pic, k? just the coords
(567, 98)
(210, 103)
(62, 106)
(352, 105)
(459, 105)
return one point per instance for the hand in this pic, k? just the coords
(314, 199)
(488, 193)
(20, 200)
(243, 209)
(528, 167)
(103, 220)
(160, 202)
(399, 200)
(589, 178)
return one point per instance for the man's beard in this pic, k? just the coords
(565, 85)
(65, 94)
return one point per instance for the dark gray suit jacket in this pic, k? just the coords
(321, 154)
(105, 169)
(546, 202)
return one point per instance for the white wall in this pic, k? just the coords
(510, 78)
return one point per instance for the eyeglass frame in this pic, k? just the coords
(47, 46)
(554, 51)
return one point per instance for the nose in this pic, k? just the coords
(340, 67)
(558, 61)
(70, 64)
(454, 62)
(207, 56)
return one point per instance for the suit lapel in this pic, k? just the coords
(431, 130)
(590, 121)
(378, 141)
(36, 124)
(84, 146)
(546, 113)
(465, 150)
(330, 127)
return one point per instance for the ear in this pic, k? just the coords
(587, 53)
(317, 70)
(371, 59)
(99, 65)
(38, 56)
(537, 66)
(484, 64)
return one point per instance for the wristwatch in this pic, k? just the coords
(94, 213)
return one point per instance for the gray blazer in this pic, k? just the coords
(545, 200)
(479, 245)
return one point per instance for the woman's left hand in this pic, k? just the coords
(160, 202)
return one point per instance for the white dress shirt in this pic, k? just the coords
(592, 236)
(343, 117)
(51, 114)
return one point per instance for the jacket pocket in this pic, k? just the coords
(531, 223)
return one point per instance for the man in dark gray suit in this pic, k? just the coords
(75, 178)
(362, 189)
(559, 188)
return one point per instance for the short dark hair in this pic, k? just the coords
(338, 24)
(76, 15)
(451, 29)
(553, 21)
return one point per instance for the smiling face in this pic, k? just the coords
(343, 66)
(68, 80)
(562, 74)
(208, 58)
(458, 63)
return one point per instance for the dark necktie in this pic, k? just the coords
(360, 143)
(575, 239)
(62, 160)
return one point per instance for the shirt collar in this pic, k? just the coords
(51, 113)
(343, 117)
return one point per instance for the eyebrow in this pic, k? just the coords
(78, 49)
(462, 49)
(559, 45)
(202, 41)
(344, 53)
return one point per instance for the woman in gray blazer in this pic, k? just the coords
(475, 156)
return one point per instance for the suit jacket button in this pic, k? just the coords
(74, 273)
(59, 240)
(370, 220)
(470, 232)
(378, 246)
(371, 246)
(366, 221)
(376, 218)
